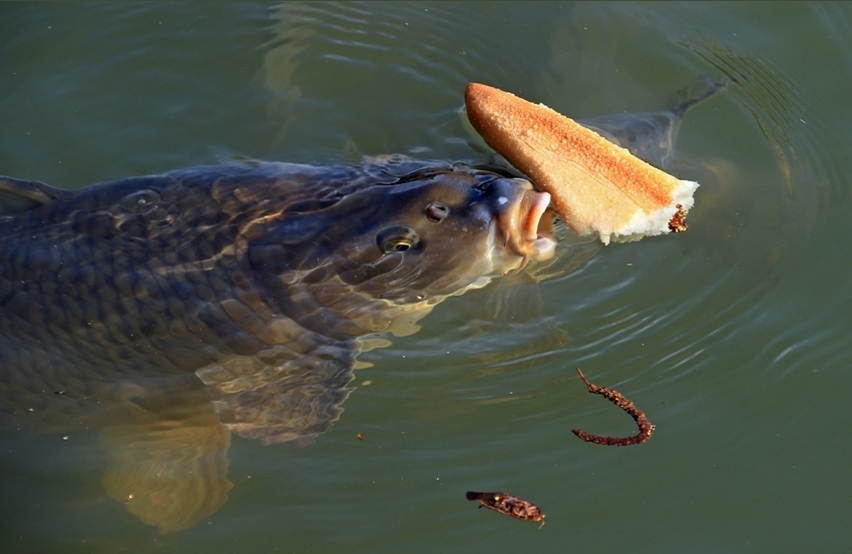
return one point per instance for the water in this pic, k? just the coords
(733, 337)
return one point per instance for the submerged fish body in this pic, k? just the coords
(174, 309)
(242, 273)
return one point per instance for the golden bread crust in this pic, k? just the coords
(596, 185)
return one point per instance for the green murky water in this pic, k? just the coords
(733, 337)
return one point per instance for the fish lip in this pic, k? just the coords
(525, 231)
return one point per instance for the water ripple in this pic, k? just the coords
(768, 96)
(374, 51)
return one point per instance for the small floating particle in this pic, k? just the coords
(646, 429)
(59, 392)
(677, 224)
(509, 505)
(359, 436)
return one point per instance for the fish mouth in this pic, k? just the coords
(527, 227)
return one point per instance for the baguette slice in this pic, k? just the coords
(596, 186)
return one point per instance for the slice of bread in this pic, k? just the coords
(596, 186)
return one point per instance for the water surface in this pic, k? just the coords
(733, 337)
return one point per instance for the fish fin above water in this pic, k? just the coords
(18, 196)
(295, 399)
(651, 136)
(703, 88)
(170, 473)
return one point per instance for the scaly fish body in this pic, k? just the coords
(173, 310)
(258, 277)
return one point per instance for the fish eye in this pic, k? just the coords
(436, 212)
(396, 238)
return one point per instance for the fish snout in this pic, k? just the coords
(519, 211)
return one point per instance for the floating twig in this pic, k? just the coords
(646, 429)
(509, 505)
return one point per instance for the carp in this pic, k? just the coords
(171, 311)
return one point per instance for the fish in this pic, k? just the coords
(175, 310)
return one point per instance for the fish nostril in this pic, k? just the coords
(503, 193)
(437, 212)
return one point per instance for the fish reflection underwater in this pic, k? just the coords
(170, 311)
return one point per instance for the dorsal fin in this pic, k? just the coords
(18, 196)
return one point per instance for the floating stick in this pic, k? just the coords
(509, 505)
(646, 429)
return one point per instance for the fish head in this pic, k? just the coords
(385, 247)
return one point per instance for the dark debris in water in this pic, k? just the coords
(509, 505)
(646, 429)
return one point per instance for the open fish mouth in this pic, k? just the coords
(527, 227)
